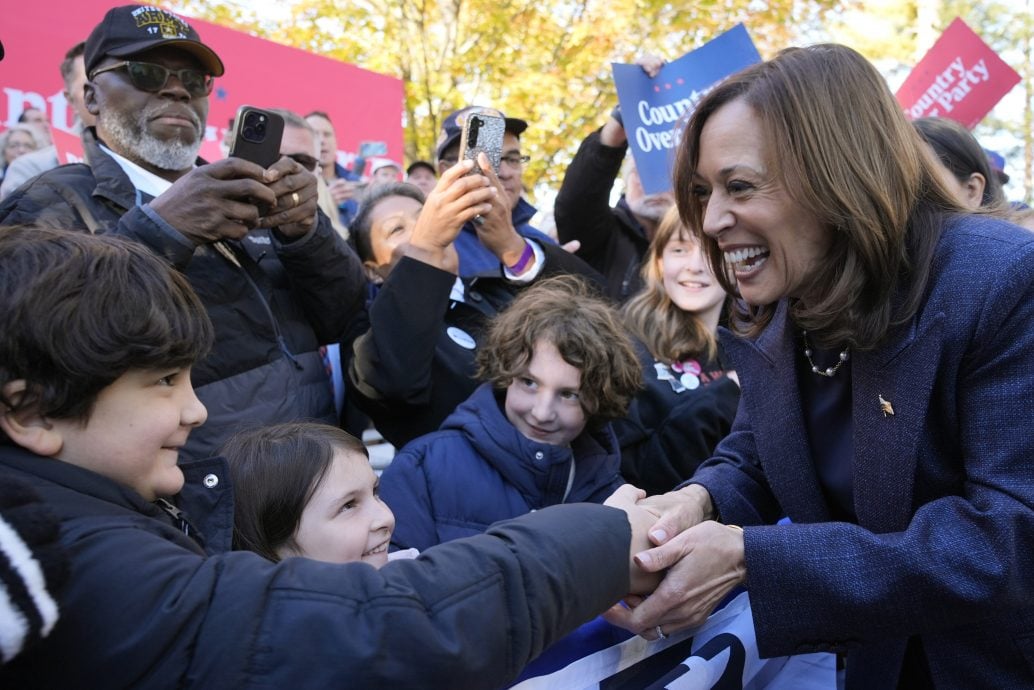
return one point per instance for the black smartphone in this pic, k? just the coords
(256, 135)
(483, 132)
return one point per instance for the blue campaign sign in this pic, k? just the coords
(655, 110)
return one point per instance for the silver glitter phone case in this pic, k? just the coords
(483, 132)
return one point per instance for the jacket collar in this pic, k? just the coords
(522, 213)
(901, 370)
(539, 471)
(625, 211)
(113, 184)
(77, 479)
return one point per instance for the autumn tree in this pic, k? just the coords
(547, 62)
(897, 33)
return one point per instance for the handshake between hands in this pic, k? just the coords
(683, 563)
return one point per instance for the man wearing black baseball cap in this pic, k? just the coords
(422, 175)
(128, 31)
(277, 280)
(474, 257)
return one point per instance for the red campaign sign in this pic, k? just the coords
(363, 105)
(69, 146)
(960, 77)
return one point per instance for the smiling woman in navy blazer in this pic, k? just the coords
(886, 356)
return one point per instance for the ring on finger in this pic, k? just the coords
(479, 219)
(295, 198)
(660, 633)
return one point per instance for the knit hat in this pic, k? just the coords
(33, 567)
(131, 29)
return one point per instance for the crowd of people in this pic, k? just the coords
(190, 353)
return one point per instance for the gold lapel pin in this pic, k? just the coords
(886, 407)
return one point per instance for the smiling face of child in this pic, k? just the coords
(543, 402)
(345, 520)
(135, 430)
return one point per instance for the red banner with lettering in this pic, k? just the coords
(363, 105)
(960, 77)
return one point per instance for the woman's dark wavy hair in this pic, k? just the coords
(585, 329)
(77, 311)
(961, 154)
(843, 150)
(275, 470)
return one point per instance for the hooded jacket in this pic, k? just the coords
(479, 469)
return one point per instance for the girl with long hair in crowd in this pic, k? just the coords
(689, 399)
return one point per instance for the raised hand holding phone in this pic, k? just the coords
(496, 231)
(456, 199)
(257, 137)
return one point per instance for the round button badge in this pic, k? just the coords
(461, 337)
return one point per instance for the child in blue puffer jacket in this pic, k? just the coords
(558, 367)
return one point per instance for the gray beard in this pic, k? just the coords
(127, 133)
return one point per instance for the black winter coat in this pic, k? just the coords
(147, 607)
(612, 240)
(272, 307)
(415, 363)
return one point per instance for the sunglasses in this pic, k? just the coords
(149, 77)
(304, 160)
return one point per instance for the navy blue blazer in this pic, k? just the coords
(943, 488)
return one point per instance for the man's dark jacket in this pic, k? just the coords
(148, 606)
(613, 242)
(272, 305)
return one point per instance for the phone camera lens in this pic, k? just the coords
(254, 128)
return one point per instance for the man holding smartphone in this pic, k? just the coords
(475, 258)
(277, 282)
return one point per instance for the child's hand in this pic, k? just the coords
(641, 520)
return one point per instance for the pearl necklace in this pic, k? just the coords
(828, 372)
